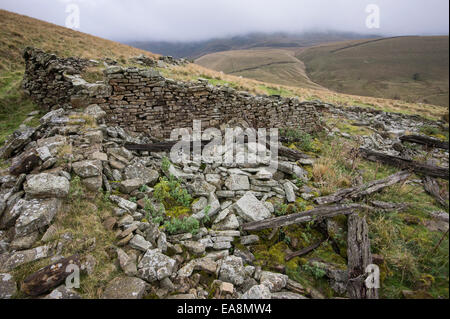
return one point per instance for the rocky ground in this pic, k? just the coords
(139, 226)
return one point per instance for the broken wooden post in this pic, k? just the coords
(304, 217)
(304, 251)
(49, 277)
(363, 190)
(431, 186)
(426, 169)
(359, 257)
(425, 140)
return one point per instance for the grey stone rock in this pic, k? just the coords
(35, 214)
(246, 255)
(194, 247)
(125, 288)
(289, 190)
(11, 261)
(127, 263)
(8, 286)
(228, 223)
(18, 140)
(25, 242)
(148, 176)
(199, 205)
(130, 185)
(293, 169)
(232, 270)
(274, 281)
(202, 264)
(93, 184)
(86, 169)
(155, 266)
(251, 209)
(95, 111)
(62, 292)
(237, 183)
(138, 242)
(46, 186)
(257, 292)
(123, 203)
(249, 240)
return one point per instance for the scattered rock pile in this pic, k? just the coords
(69, 144)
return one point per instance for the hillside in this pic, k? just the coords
(414, 69)
(16, 33)
(197, 49)
(267, 65)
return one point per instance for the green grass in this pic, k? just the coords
(14, 104)
(411, 263)
(414, 69)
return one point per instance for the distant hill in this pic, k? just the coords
(414, 69)
(279, 66)
(197, 49)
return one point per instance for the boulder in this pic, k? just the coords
(251, 209)
(24, 163)
(62, 292)
(123, 203)
(138, 242)
(127, 264)
(293, 169)
(35, 214)
(257, 292)
(237, 183)
(17, 141)
(289, 190)
(47, 186)
(93, 184)
(95, 111)
(232, 270)
(274, 281)
(125, 288)
(13, 260)
(148, 176)
(155, 266)
(8, 286)
(130, 185)
(86, 169)
(202, 264)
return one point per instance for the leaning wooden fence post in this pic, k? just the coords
(359, 257)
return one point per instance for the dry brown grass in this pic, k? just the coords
(194, 71)
(18, 31)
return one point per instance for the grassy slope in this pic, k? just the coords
(268, 65)
(414, 69)
(17, 32)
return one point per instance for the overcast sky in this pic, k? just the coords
(187, 20)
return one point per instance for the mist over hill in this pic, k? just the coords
(197, 49)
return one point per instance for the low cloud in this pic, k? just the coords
(181, 20)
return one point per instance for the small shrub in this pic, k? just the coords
(170, 192)
(186, 225)
(315, 271)
(165, 164)
(281, 210)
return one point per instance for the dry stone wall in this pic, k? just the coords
(141, 100)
